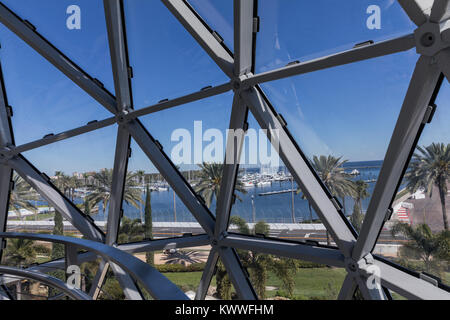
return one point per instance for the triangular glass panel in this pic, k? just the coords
(346, 131)
(326, 27)
(415, 235)
(218, 15)
(167, 62)
(269, 196)
(43, 99)
(169, 216)
(81, 174)
(76, 27)
(195, 134)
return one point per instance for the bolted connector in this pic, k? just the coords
(46, 177)
(388, 215)
(29, 25)
(130, 73)
(281, 119)
(98, 82)
(430, 279)
(336, 203)
(159, 145)
(9, 111)
(217, 36)
(363, 44)
(256, 24)
(429, 113)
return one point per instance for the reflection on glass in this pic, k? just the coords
(343, 118)
(167, 62)
(218, 14)
(82, 174)
(76, 27)
(42, 98)
(267, 193)
(295, 30)
(417, 235)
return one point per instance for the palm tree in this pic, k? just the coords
(21, 196)
(430, 167)
(211, 180)
(423, 244)
(359, 194)
(331, 171)
(131, 230)
(22, 252)
(62, 182)
(260, 264)
(101, 193)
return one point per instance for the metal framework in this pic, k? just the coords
(354, 251)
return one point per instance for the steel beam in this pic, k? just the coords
(175, 179)
(237, 275)
(207, 275)
(235, 142)
(115, 24)
(154, 282)
(161, 244)
(440, 11)
(164, 105)
(54, 197)
(6, 140)
(63, 135)
(99, 279)
(338, 59)
(58, 264)
(417, 10)
(375, 293)
(243, 36)
(133, 114)
(204, 36)
(57, 58)
(348, 288)
(299, 167)
(301, 251)
(118, 185)
(411, 118)
(409, 286)
(71, 255)
(53, 282)
(120, 65)
(129, 287)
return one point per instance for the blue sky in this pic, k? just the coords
(348, 111)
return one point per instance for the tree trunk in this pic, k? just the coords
(444, 213)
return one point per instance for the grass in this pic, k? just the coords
(313, 283)
(187, 280)
(310, 283)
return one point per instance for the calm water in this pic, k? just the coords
(273, 208)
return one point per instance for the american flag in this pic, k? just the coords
(403, 214)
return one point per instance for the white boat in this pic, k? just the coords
(248, 184)
(355, 172)
(263, 183)
(163, 189)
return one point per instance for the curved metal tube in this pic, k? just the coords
(48, 280)
(154, 282)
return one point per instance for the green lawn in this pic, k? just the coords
(310, 283)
